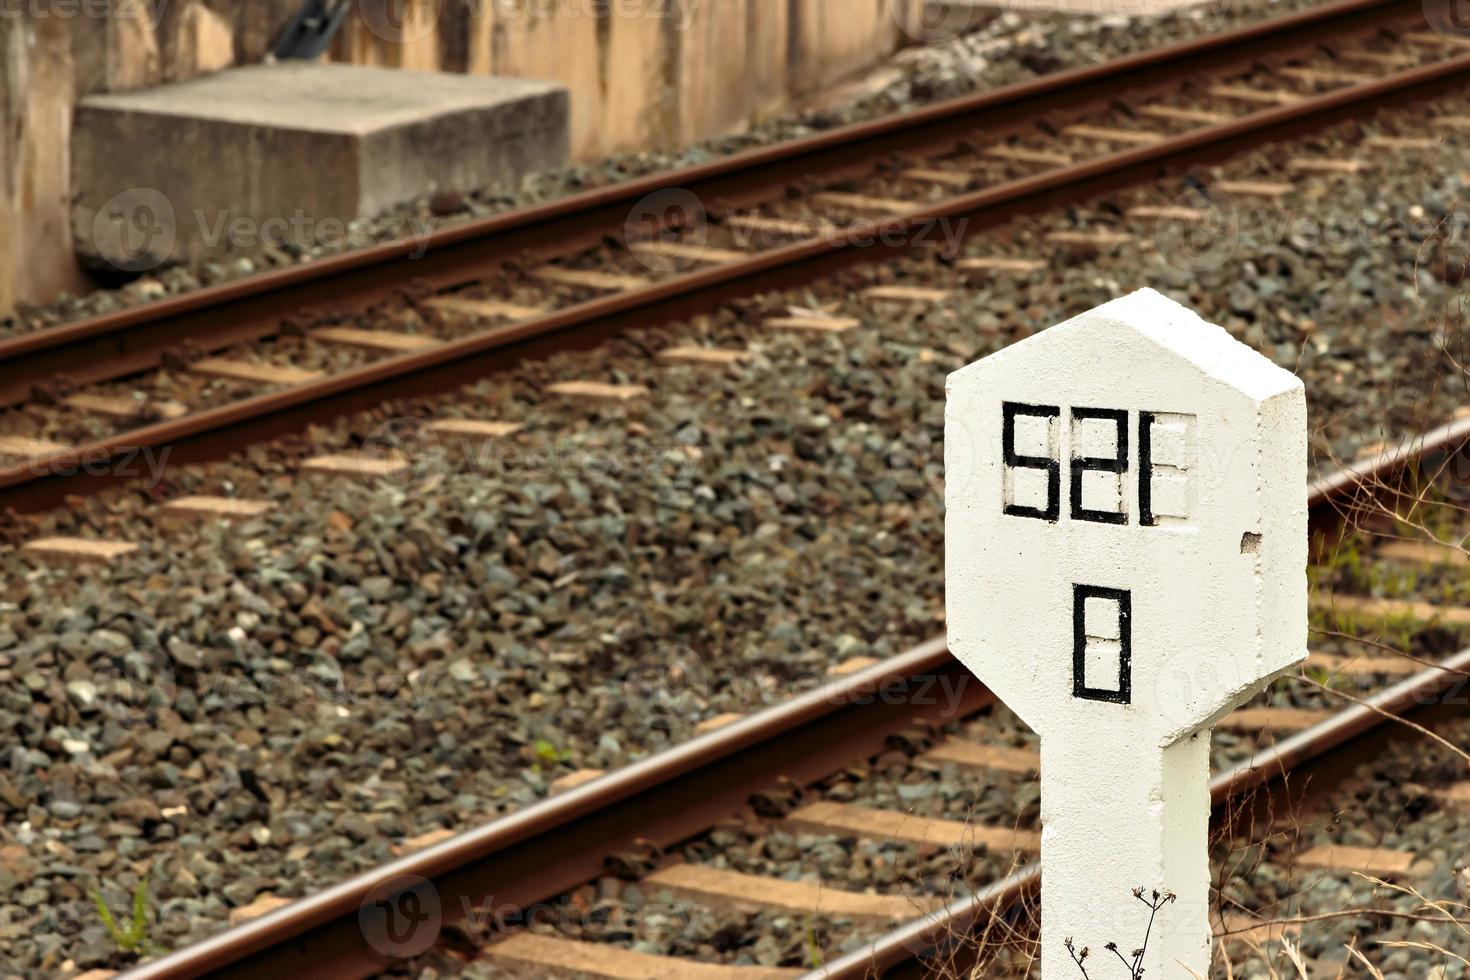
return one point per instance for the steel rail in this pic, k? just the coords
(906, 953)
(1359, 485)
(215, 433)
(552, 846)
(130, 340)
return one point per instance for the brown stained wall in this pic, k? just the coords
(38, 85)
(644, 74)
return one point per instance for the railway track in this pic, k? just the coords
(489, 864)
(827, 770)
(201, 375)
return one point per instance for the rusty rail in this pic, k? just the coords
(135, 339)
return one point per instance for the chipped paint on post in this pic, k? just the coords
(1126, 550)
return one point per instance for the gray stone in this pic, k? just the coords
(83, 694)
(65, 809)
(378, 587)
(295, 152)
(109, 642)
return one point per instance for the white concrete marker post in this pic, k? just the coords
(1125, 560)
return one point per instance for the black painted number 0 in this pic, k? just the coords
(1108, 604)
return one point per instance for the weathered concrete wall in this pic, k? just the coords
(642, 73)
(39, 86)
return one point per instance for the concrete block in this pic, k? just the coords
(292, 151)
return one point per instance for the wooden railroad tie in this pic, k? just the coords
(1452, 122)
(474, 428)
(598, 391)
(1457, 796)
(717, 722)
(853, 665)
(553, 956)
(974, 755)
(1255, 96)
(79, 550)
(1376, 861)
(427, 839)
(1379, 58)
(758, 223)
(998, 263)
(1254, 188)
(1251, 720)
(486, 309)
(1413, 609)
(687, 252)
(1320, 76)
(1201, 116)
(732, 889)
(263, 903)
(270, 374)
(356, 465)
(1167, 212)
(28, 448)
(845, 820)
(1109, 134)
(1402, 144)
(613, 282)
(931, 175)
(1314, 165)
(1101, 238)
(906, 294)
(1431, 39)
(1023, 154)
(818, 324)
(388, 340)
(1241, 928)
(705, 356)
(219, 508)
(862, 202)
(1349, 666)
(1421, 553)
(125, 408)
(572, 780)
